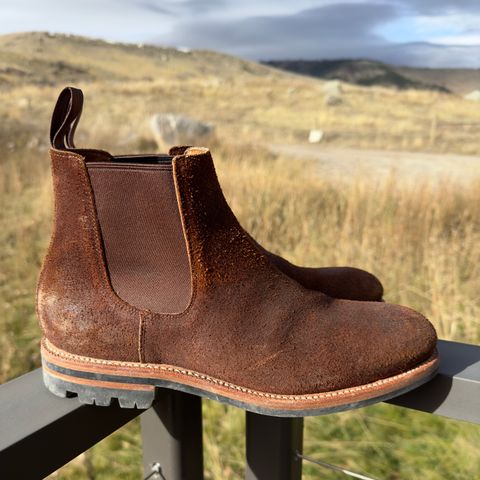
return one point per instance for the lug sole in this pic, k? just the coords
(136, 385)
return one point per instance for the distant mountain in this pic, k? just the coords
(458, 80)
(361, 72)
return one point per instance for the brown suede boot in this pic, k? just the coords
(150, 281)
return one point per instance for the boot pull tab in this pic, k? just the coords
(65, 118)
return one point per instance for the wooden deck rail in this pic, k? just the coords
(40, 432)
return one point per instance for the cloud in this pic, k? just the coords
(338, 30)
(343, 28)
(440, 7)
(443, 32)
(431, 55)
(178, 7)
(153, 6)
(466, 38)
(198, 7)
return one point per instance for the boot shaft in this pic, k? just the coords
(117, 249)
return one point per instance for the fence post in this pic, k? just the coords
(273, 445)
(172, 437)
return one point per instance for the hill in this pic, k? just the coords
(46, 59)
(458, 80)
(359, 72)
(373, 73)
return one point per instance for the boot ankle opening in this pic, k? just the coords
(146, 159)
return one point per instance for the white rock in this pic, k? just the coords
(23, 102)
(315, 136)
(332, 87)
(473, 96)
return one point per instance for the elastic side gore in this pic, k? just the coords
(142, 232)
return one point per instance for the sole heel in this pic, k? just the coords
(93, 392)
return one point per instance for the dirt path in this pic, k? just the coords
(347, 164)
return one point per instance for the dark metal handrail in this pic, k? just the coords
(40, 432)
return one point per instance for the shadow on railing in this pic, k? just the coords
(40, 432)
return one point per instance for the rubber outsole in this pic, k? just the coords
(101, 388)
(103, 396)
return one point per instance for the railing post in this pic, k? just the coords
(40, 432)
(273, 445)
(172, 437)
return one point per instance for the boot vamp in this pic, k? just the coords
(278, 337)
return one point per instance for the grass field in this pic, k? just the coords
(422, 240)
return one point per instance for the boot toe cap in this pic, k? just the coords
(361, 343)
(386, 340)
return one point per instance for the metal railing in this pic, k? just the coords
(40, 432)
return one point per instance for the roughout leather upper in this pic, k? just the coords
(247, 323)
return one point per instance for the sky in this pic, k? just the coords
(429, 33)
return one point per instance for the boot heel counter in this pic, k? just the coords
(54, 269)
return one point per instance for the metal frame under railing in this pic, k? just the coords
(40, 432)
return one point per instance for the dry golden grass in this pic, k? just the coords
(281, 109)
(423, 241)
